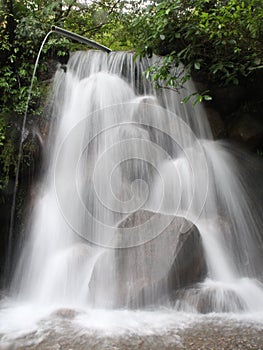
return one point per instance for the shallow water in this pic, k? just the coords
(29, 326)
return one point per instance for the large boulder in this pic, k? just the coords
(146, 273)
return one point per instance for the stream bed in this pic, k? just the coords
(26, 326)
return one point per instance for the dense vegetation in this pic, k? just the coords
(217, 40)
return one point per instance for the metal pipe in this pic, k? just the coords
(79, 38)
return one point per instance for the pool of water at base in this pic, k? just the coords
(34, 327)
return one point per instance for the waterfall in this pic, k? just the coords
(117, 146)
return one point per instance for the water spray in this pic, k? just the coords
(79, 38)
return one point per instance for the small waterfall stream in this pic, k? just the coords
(118, 146)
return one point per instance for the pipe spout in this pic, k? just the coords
(79, 38)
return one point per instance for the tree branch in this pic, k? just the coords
(93, 29)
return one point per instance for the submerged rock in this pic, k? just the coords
(204, 298)
(65, 313)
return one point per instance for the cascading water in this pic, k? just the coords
(118, 147)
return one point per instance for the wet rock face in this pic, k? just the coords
(228, 99)
(172, 260)
(206, 299)
(247, 130)
(216, 123)
(209, 302)
(244, 128)
(145, 274)
(189, 265)
(235, 112)
(4, 223)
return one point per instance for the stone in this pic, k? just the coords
(144, 274)
(189, 265)
(216, 123)
(65, 313)
(209, 302)
(247, 130)
(206, 299)
(227, 99)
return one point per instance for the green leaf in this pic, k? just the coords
(197, 65)
(199, 99)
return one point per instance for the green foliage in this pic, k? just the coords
(7, 154)
(8, 162)
(23, 26)
(216, 40)
(2, 132)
